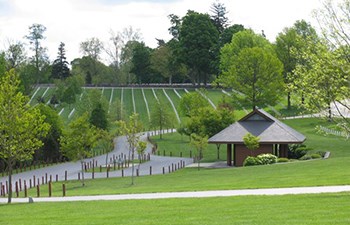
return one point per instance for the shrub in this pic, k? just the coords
(251, 161)
(297, 151)
(266, 159)
(282, 160)
(321, 153)
(315, 156)
(305, 157)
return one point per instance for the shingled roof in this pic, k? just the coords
(261, 124)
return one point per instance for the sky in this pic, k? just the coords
(75, 21)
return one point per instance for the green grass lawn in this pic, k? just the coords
(287, 209)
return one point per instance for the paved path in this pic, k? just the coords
(196, 194)
(74, 168)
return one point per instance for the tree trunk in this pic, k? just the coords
(9, 198)
(288, 100)
(82, 172)
(218, 150)
(132, 168)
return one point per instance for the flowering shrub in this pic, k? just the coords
(267, 159)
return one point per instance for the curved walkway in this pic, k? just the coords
(155, 164)
(196, 194)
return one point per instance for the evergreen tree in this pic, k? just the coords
(98, 117)
(218, 16)
(60, 68)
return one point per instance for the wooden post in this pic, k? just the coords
(30, 183)
(78, 176)
(45, 178)
(64, 190)
(50, 189)
(108, 171)
(169, 169)
(163, 170)
(34, 181)
(229, 154)
(50, 178)
(65, 175)
(17, 191)
(150, 170)
(42, 180)
(137, 172)
(100, 168)
(122, 173)
(20, 184)
(38, 190)
(56, 177)
(25, 190)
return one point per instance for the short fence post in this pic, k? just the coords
(50, 189)
(17, 189)
(150, 170)
(64, 190)
(163, 170)
(38, 190)
(65, 175)
(25, 190)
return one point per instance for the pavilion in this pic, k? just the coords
(274, 135)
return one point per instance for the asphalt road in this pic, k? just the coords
(154, 166)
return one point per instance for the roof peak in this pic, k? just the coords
(258, 114)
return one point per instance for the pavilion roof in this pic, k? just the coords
(260, 124)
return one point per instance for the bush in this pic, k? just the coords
(282, 160)
(251, 161)
(315, 156)
(266, 159)
(321, 153)
(305, 157)
(297, 151)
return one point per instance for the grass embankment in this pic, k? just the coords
(288, 209)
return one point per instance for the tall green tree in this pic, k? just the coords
(79, 140)
(250, 66)
(60, 69)
(40, 59)
(219, 16)
(141, 63)
(198, 39)
(22, 126)
(98, 117)
(161, 117)
(50, 151)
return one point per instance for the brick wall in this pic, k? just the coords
(242, 152)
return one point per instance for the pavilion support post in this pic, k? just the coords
(229, 154)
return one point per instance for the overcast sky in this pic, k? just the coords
(74, 21)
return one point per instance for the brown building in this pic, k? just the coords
(274, 137)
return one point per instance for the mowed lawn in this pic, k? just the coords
(320, 172)
(287, 209)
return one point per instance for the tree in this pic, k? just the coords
(92, 48)
(2, 64)
(200, 143)
(250, 66)
(160, 62)
(60, 68)
(15, 55)
(191, 102)
(50, 151)
(98, 117)
(141, 63)
(326, 77)
(218, 16)
(40, 59)
(198, 39)
(227, 34)
(161, 117)
(132, 130)
(251, 142)
(21, 125)
(79, 140)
